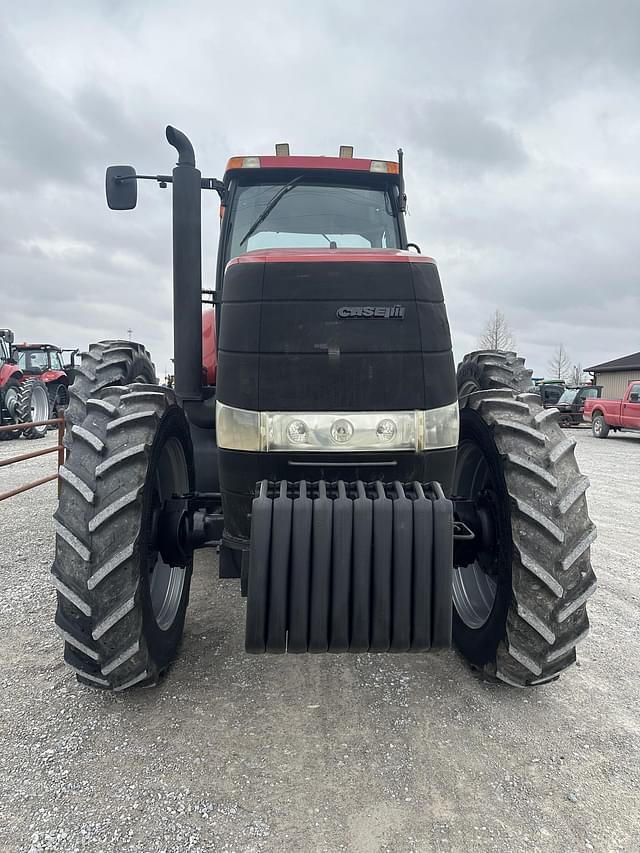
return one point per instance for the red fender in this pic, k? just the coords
(9, 371)
(209, 345)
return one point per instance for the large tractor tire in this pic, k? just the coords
(106, 363)
(59, 398)
(33, 404)
(488, 369)
(8, 401)
(121, 608)
(519, 608)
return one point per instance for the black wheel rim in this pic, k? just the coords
(10, 400)
(166, 582)
(474, 590)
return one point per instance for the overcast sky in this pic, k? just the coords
(520, 123)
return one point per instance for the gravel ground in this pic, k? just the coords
(362, 753)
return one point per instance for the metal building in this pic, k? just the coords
(614, 376)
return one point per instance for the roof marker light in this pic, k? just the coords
(243, 163)
(346, 151)
(282, 149)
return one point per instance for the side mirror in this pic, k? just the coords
(121, 187)
(634, 397)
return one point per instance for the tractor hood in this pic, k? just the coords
(330, 330)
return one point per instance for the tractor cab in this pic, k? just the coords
(304, 207)
(330, 203)
(38, 358)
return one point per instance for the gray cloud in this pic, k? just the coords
(41, 137)
(459, 134)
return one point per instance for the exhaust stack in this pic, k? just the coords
(187, 269)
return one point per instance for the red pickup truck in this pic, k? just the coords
(614, 415)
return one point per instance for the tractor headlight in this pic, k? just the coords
(336, 432)
(441, 427)
(340, 432)
(238, 429)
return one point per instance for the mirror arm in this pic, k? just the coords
(215, 184)
(163, 180)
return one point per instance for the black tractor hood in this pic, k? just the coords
(334, 330)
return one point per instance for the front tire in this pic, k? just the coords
(106, 364)
(121, 609)
(519, 608)
(599, 427)
(488, 369)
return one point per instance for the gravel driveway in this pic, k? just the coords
(362, 753)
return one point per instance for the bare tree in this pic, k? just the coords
(560, 364)
(497, 334)
(577, 375)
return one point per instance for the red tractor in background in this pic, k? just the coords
(23, 399)
(46, 362)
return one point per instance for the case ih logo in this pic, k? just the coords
(380, 312)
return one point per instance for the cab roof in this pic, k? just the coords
(343, 164)
(23, 345)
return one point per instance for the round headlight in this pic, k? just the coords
(297, 432)
(386, 430)
(341, 431)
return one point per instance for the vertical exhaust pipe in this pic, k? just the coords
(187, 269)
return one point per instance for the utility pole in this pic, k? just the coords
(129, 332)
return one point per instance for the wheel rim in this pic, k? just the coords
(474, 591)
(10, 399)
(597, 426)
(167, 582)
(39, 404)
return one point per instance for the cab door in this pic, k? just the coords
(630, 414)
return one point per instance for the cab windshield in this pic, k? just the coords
(29, 359)
(569, 395)
(311, 215)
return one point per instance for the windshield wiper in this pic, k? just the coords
(270, 205)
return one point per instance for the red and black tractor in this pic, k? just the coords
(47, 362)
(366, 497)
(23, 398)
